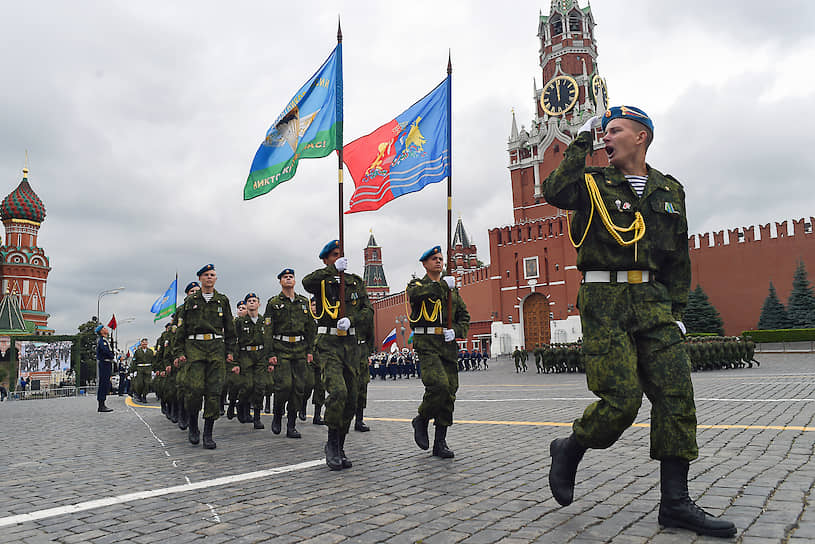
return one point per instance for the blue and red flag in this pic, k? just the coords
(402, 156)
(389, 340)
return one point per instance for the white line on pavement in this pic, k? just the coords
(130, 497)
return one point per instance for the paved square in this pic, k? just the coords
(73, 475)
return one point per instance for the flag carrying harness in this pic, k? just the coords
(430, 318)
(333, 310)
(596, 201)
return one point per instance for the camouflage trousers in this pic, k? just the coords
(633, 345)
(364, 376)
(248, 385)
(439, 376)
(168, 388)
(204, 377)
(339, 355)
(289, 380)
(314, 384)
(141, 383)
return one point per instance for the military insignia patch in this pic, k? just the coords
(669, 207)
(268, 320)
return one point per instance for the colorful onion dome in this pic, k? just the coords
(23, 203)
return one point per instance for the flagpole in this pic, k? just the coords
(339, 160)
(449, 185)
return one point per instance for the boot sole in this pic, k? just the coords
(724, 533)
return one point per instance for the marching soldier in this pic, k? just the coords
(289, 335)
(517, 356)
(249, 372)
(366, 347)
(180, 370)
(205, 339)
(142, 365)
(314, 382)
(336, 346)
(635, 290)
(435, 346)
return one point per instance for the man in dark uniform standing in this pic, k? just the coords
(205, 339)
(336, 346)
(104, 367)
(634, 292)
(435, 345)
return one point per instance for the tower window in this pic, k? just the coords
(574, 23)
(557, 25)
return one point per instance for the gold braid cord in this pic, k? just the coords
(332, 310)
(596, 200)
(423, 311)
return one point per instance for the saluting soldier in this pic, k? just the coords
(251, 366)
(336, 346)
(205, 339)
(289, 336)
(142, 365)
(435, 346)
(632, 247)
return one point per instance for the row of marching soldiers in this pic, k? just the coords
(265, 352)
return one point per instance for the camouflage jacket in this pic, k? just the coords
(430, 294)
(357, 306)
(142, 357)
(197, 316)
(664, 248)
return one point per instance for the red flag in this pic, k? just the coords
(112, 322)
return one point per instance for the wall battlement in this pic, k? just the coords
(754, 234)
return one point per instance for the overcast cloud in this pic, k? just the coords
(141, 120)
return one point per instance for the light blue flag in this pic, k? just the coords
(166, 303)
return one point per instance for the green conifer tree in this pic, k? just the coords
(773, 313)
(701, 315)
(801, 304)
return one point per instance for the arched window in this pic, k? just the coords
(557, 25)
(574, 22)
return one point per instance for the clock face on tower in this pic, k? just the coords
(598, 86)
(559, 95)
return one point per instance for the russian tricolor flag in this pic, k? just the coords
(389, 340)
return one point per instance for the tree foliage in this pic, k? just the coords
(773, 313)
(87, 350)
(700, 315)
(801, 304)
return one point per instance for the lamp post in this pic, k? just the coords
(99, 300)
(123, 321)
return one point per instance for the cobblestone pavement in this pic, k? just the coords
(756, 441)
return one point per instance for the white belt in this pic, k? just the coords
(252, 348)
(206, 336)
(290, 339)
(336, 332)
(428, 330)
(616, 276)
(146, 364)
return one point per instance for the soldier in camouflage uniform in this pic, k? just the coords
(205, 341)
(631, 303)
(435, 345)
(181, 369)
(142, 365)
(289, 337)
(517, 356)
(366, 347)
(336, 346)
(251, 369)
(231, 382)
(314, 383)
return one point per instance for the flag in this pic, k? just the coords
(389, 340)
(112, 322)
(134, 347)
(308, 127)
(165, 305)
(402, 156)
(410, 338)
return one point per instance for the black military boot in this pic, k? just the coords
(360, 425)
(193, 434)
(440, 448)
(318, 420)
(174, 412)
(346, 463)
(209, 443)
(566, 455)
(230, 412)
(103, 408)
(268, 408)
(256, 420)
(420, 432)
(223, 401)
(332, 450)
(301, 413)
(240, 412)
(291, 432)
(163, 407)
(277, 422)
(247, 412)
(183, 418)
(676, 509)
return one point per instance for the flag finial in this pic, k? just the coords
(449, 62)
(339, 30)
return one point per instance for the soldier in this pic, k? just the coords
(142, 365)
(516, 355)
(205, 338)
(250, 370)
(230, 380)
(336, 345)
(314, 382)
(179, 369)
(289, 335)
(631, 303)
(538, 353)
(104, 367)
(434, 342)
(366, 346)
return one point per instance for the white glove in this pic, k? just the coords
(344, 324)
(449, 335)
(590, 125)
(450, 281)
(682, 327)
(341, 264)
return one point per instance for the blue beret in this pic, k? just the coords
(627, 112)
(251, 295)
(288, 271)
(190, 286)
(328, 248)
(241, 303)
(205, 268)
(430, 252)
(98, 329)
